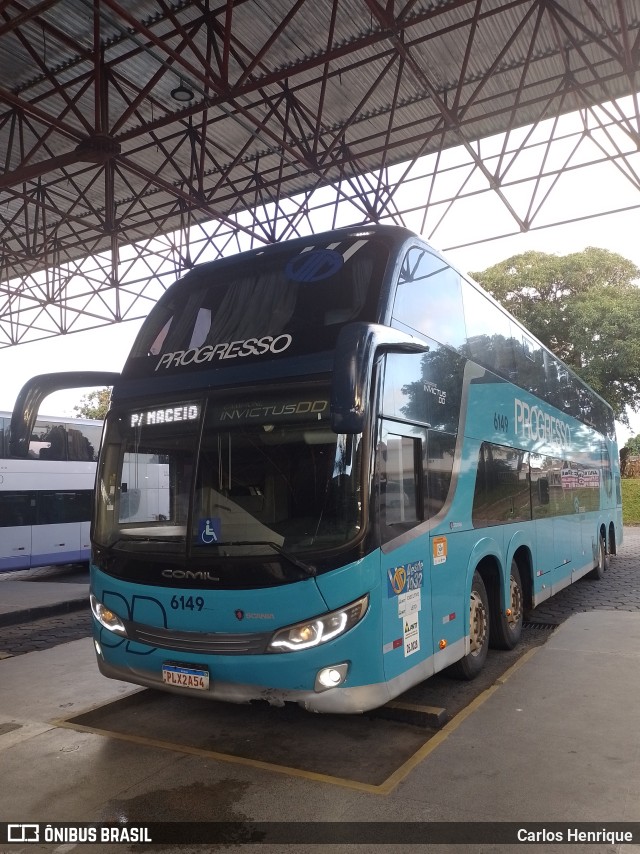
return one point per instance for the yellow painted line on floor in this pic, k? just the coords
(383, 788)
(448, 729)
(222, 757)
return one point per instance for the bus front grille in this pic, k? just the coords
(207, 643)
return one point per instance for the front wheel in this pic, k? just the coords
(471, 665)
(506, 626)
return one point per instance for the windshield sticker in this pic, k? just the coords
(209, 530)
(314, 266)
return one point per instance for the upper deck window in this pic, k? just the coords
(275, 302)
(429, 298)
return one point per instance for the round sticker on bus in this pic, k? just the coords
(314, 266)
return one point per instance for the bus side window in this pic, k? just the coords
(502, 486)
(429, 298)
(545, 480)
(489, 333)
(4, 437)
(543, 490)
(16, 509)
(399, 469)
(441, 449)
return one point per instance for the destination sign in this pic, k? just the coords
(165, 415)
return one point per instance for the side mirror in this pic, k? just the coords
(34, 391)
(357, 347)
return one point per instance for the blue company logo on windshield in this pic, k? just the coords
(314, 266)
(209, 530)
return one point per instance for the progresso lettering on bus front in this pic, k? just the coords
(226, 350)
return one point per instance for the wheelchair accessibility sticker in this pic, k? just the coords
(209, 530)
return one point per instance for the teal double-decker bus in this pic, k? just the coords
(333, 467)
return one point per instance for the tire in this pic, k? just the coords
(602, 564)
(471, 665)
(506, 629)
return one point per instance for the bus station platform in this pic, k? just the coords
(33, 594)
(551, 745)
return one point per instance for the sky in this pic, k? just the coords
(106, 348)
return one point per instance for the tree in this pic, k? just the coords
(633, 445)
(94, 405)
(585, 307)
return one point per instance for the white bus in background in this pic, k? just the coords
(145, 488)
(45, 500)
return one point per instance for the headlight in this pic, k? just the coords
(320, 629)
(106, 617)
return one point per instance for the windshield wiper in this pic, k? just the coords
(308, 568)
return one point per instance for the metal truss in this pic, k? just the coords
(303, 115)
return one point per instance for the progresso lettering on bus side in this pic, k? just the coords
(532, 422)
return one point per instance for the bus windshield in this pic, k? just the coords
(264, 477)
(285, 303)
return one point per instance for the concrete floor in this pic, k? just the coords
(556, 741)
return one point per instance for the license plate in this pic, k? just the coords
(185, 677)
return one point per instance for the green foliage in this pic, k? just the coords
(94, 405)
(630, 500)
(585, 307)
(633, 445)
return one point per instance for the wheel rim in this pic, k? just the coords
(516, 605)
(601, 556)
(478, 623)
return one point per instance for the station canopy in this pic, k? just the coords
(122, 120)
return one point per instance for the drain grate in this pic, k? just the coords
(543, 627)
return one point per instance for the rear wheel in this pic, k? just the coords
(471, 665)
(506, 625)
(602, 564)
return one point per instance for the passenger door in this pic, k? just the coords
(406, 598)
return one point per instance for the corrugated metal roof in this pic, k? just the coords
(286, 95)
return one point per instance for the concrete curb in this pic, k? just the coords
(39, 612)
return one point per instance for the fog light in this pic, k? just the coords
(330, 677)
(98, 648)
